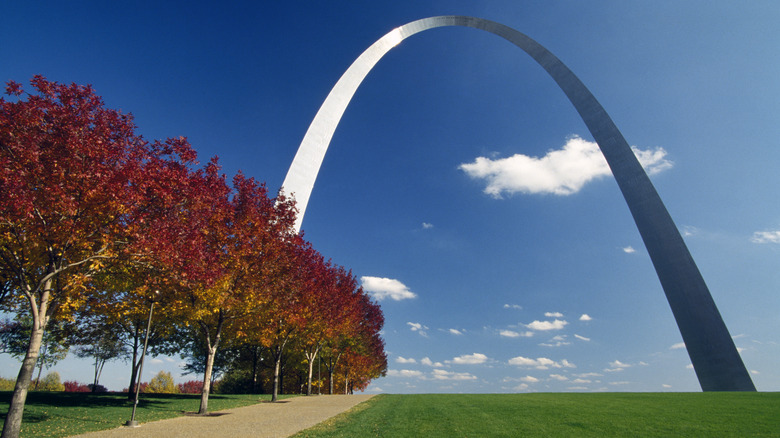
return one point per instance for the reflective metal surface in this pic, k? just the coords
(714, 356)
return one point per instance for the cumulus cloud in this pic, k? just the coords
(585, 317)
(554, 314)
(629, 250)
(419, 328)
(766, 237)
(540, 363)
(381, 288)
(560, 172)
(400, 359)
(529, 379)
(677, 346)
(428, 362)
(557, 324)
(616, 366)
(470, 359)
(455, 332)
(449, 375)
(558, 377)
(514, 334)
(557, 341)
(427, 226)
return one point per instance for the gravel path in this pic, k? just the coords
(261, 420)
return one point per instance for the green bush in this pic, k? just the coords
(162, 383)
(51, 382)
(7, 384)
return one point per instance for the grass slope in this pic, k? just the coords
(568, 415)
(60, 414)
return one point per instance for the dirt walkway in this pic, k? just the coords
(261, 420)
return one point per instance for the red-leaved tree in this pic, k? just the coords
(73, 175)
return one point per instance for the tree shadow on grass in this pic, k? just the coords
(28, 418)
(87, 399)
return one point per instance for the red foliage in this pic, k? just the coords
(191, 387)
(74, 386)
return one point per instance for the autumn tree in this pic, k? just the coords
(73, 174)
(230, 241)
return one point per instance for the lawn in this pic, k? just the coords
(59, 414)
(566, 415)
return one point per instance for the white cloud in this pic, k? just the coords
(513, 306)
(419, 328)
(514, 334)
(541, 363)
(427, 226)
(428, 362)
(677, 346)
(455, 332)
(582, 381)
(449, 375)
(617, 366)
(557, 341)
(554, 314)
(629, 250)
(529, 379)
(561, 172)
(381, 288)
(404, 373)
(404, 360)
(470, 359)
(766, 237)
(547, 325)
(521, 387)
(585, 317)
(558, 377)
(582, 338)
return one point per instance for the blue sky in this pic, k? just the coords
(536, 280)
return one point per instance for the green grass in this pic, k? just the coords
(59, 414)
(566, 415)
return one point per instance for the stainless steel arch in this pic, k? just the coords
(714, 356)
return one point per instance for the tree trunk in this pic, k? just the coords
(134, 365)
(310, 356)
(254, 369)
(212, 352)
(277, 368)
(13, 420)
(204, 395)
(330, 381)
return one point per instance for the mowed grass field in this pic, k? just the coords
(60, 414)
(564, 415)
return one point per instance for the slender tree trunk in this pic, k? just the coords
(277, 369)
(13, 420)
(134, 365)
(40, 365)
(254, 369)
(212, 352)
(310, 356)
(204, 395)
(330, 381)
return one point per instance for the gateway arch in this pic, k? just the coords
(712, 351)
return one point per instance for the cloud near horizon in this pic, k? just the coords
(561, 172)
(380, 288)
(541, 363)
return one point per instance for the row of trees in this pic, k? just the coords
(96, 224)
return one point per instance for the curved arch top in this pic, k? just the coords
(714, 356)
